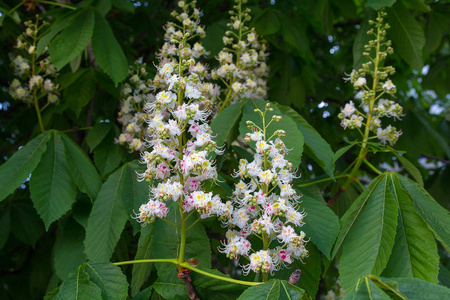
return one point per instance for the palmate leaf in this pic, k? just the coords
(107, 50)
(294, 137)
(416, 289)
(81, 168)
(415, 250)
(437, 217)
(78, 286)
(369, 242)
(19, 166)
(110, 279)
(52, 189)
(73, 39)
(273, 290)
(316, 147)
(366, 289)
(141, 272)
(107, 219)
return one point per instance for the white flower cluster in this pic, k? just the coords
(242, 62)
(264, 206)
(179, 139)
(135, 93)
(33, 80)
(374, 106)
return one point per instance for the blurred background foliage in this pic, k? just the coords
(312, 44)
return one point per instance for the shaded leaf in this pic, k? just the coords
(107, 51)
(81, 91)
(81, 168)
(96, 135)
(28, 227)
(69, 249)
(377, 4)
(51, 187)
(215, 289)
(366, 289)
(108, 156)
(5, 226)
(268, 22)
(73, 39)
(416, 289)
(141, 272)
(224, 122)
(369, 242)
(123, 5)
(19, 166)
(407, 36)
(411, 168)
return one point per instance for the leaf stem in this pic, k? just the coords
(57, 4)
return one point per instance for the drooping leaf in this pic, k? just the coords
(56, 27)
(19, 166)
(5, 226)
(96, 135)
(407, 35)
(81, 91)
(141, 272)
(52, 189)
(110, 279)
(107, 51)
(78, 286)
(107, 219)
(368, 245)
(69, 249)
(273, 290)
(82, 170)
(28, 227)
(294, 137)
(73, 39)
(415, 252)
(321, 223)
(316, 147)
(437, 217)
(377, 4)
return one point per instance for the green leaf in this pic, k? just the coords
(55, 28)
(366, 289)
(342, 151)
(171, 290)
(73, 39)
(82, 170)
(273, 290)
(416, 289)
(354, 211)
(52, 189)
(215, 289)
(412, 170)
(28, 227)
(107, 219)
(321, 223)
(294, 137)
(407, 36)
(369, 242)
(437, 217)
(145, 294)
(19, 166)
(110, 279)
(78, 286)
(103, 6)
(213, 39)
(96, 135)
(69, 249)
(225, 121)
(316, 147)
(444, 276)
(415, 251)
(107, 51)
(268, 22)
(361, 39)
(377, 4)
(108, 156)
(141, 272)
(81, 91)
(294, 35)
(5, 226)
(123, 5)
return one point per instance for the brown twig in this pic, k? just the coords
(185, 274)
